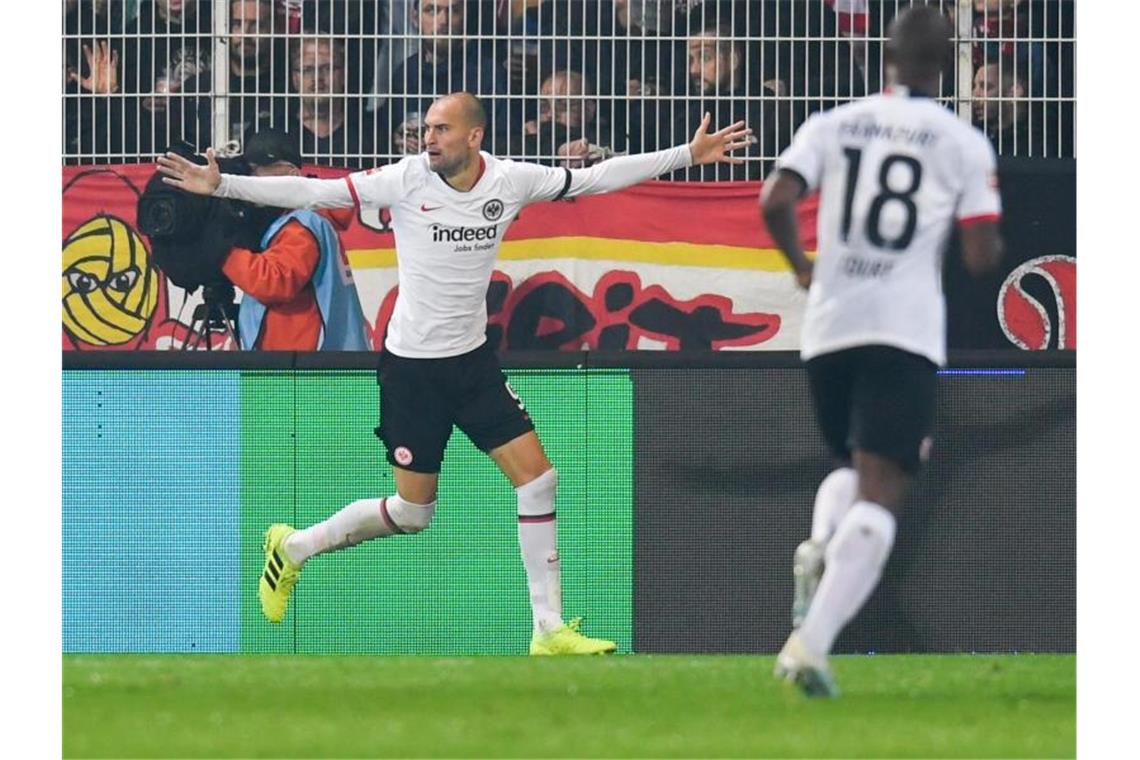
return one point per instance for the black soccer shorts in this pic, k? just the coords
(878, 399)
(421, 399)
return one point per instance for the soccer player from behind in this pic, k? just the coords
(450, 207)
(895, 171)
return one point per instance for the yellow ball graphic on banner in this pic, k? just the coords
(109, 287)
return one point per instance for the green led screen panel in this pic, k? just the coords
(459, 587)
(268, 493)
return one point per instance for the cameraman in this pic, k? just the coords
(298, 290)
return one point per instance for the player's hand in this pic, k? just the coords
(803, 276)
(189, 176)
(710, 148)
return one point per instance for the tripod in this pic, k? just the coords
(216, 312)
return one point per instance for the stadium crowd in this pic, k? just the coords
(567, 82)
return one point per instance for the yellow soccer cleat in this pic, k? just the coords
(279, 575)
(567, 640)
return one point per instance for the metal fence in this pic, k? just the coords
(562, 81)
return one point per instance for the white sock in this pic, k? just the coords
(359, 521)
(835, 496)
(853, 561)
(538, 542)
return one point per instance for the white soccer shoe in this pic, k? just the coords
(808, 671)
(807, 569)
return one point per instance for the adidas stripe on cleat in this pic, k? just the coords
(278, 576)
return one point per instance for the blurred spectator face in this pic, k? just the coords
(175, 10)
(249, 18)
(442, 21)
(621, 13)
(711, 64)
(651, 17)
(319, 68)
(563, 102)
(989, 86)
(407, 136)
(995, 6)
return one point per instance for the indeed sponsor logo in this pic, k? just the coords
(441, 234)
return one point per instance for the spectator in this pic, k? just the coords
(445, 62)
(537, 38)
(407, 137)
(996, 26)
(396, 23)
(719, 76)
(639, 64)
(1006, 31)
(258, 66)
(1002, 111)
(354, 22)
(298, 290)
(167, 63)
(641, 70)
(567, 123)
(817, 65)
(92, 77)
(330, 128)
(526, 19)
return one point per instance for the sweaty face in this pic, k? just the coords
(709, 65)
(447, 139)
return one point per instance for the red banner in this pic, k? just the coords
(661, 265)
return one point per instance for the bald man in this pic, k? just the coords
(450, 206)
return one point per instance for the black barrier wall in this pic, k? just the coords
(1039, 218)
(727, 466)
(725, 462)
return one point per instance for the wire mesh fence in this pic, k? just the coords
(566, 82)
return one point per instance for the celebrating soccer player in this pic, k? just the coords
(450, 207)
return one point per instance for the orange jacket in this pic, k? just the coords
(279, 277)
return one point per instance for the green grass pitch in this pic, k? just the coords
(622, 706)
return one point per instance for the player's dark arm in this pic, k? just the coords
(279, 273)
(982, 246)
(778, 207)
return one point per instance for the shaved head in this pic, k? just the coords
(453, 132)
(467, 107)
(919, 43)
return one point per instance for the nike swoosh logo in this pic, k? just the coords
(425, 207)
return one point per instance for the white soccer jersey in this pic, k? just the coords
(447, 240)
(894, 172)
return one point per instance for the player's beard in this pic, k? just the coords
(449, 168)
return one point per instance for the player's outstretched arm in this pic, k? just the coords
(189, 176)
(624, 171)
(778, 206)
(982, 247)
(282, 192)
(718, 147)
